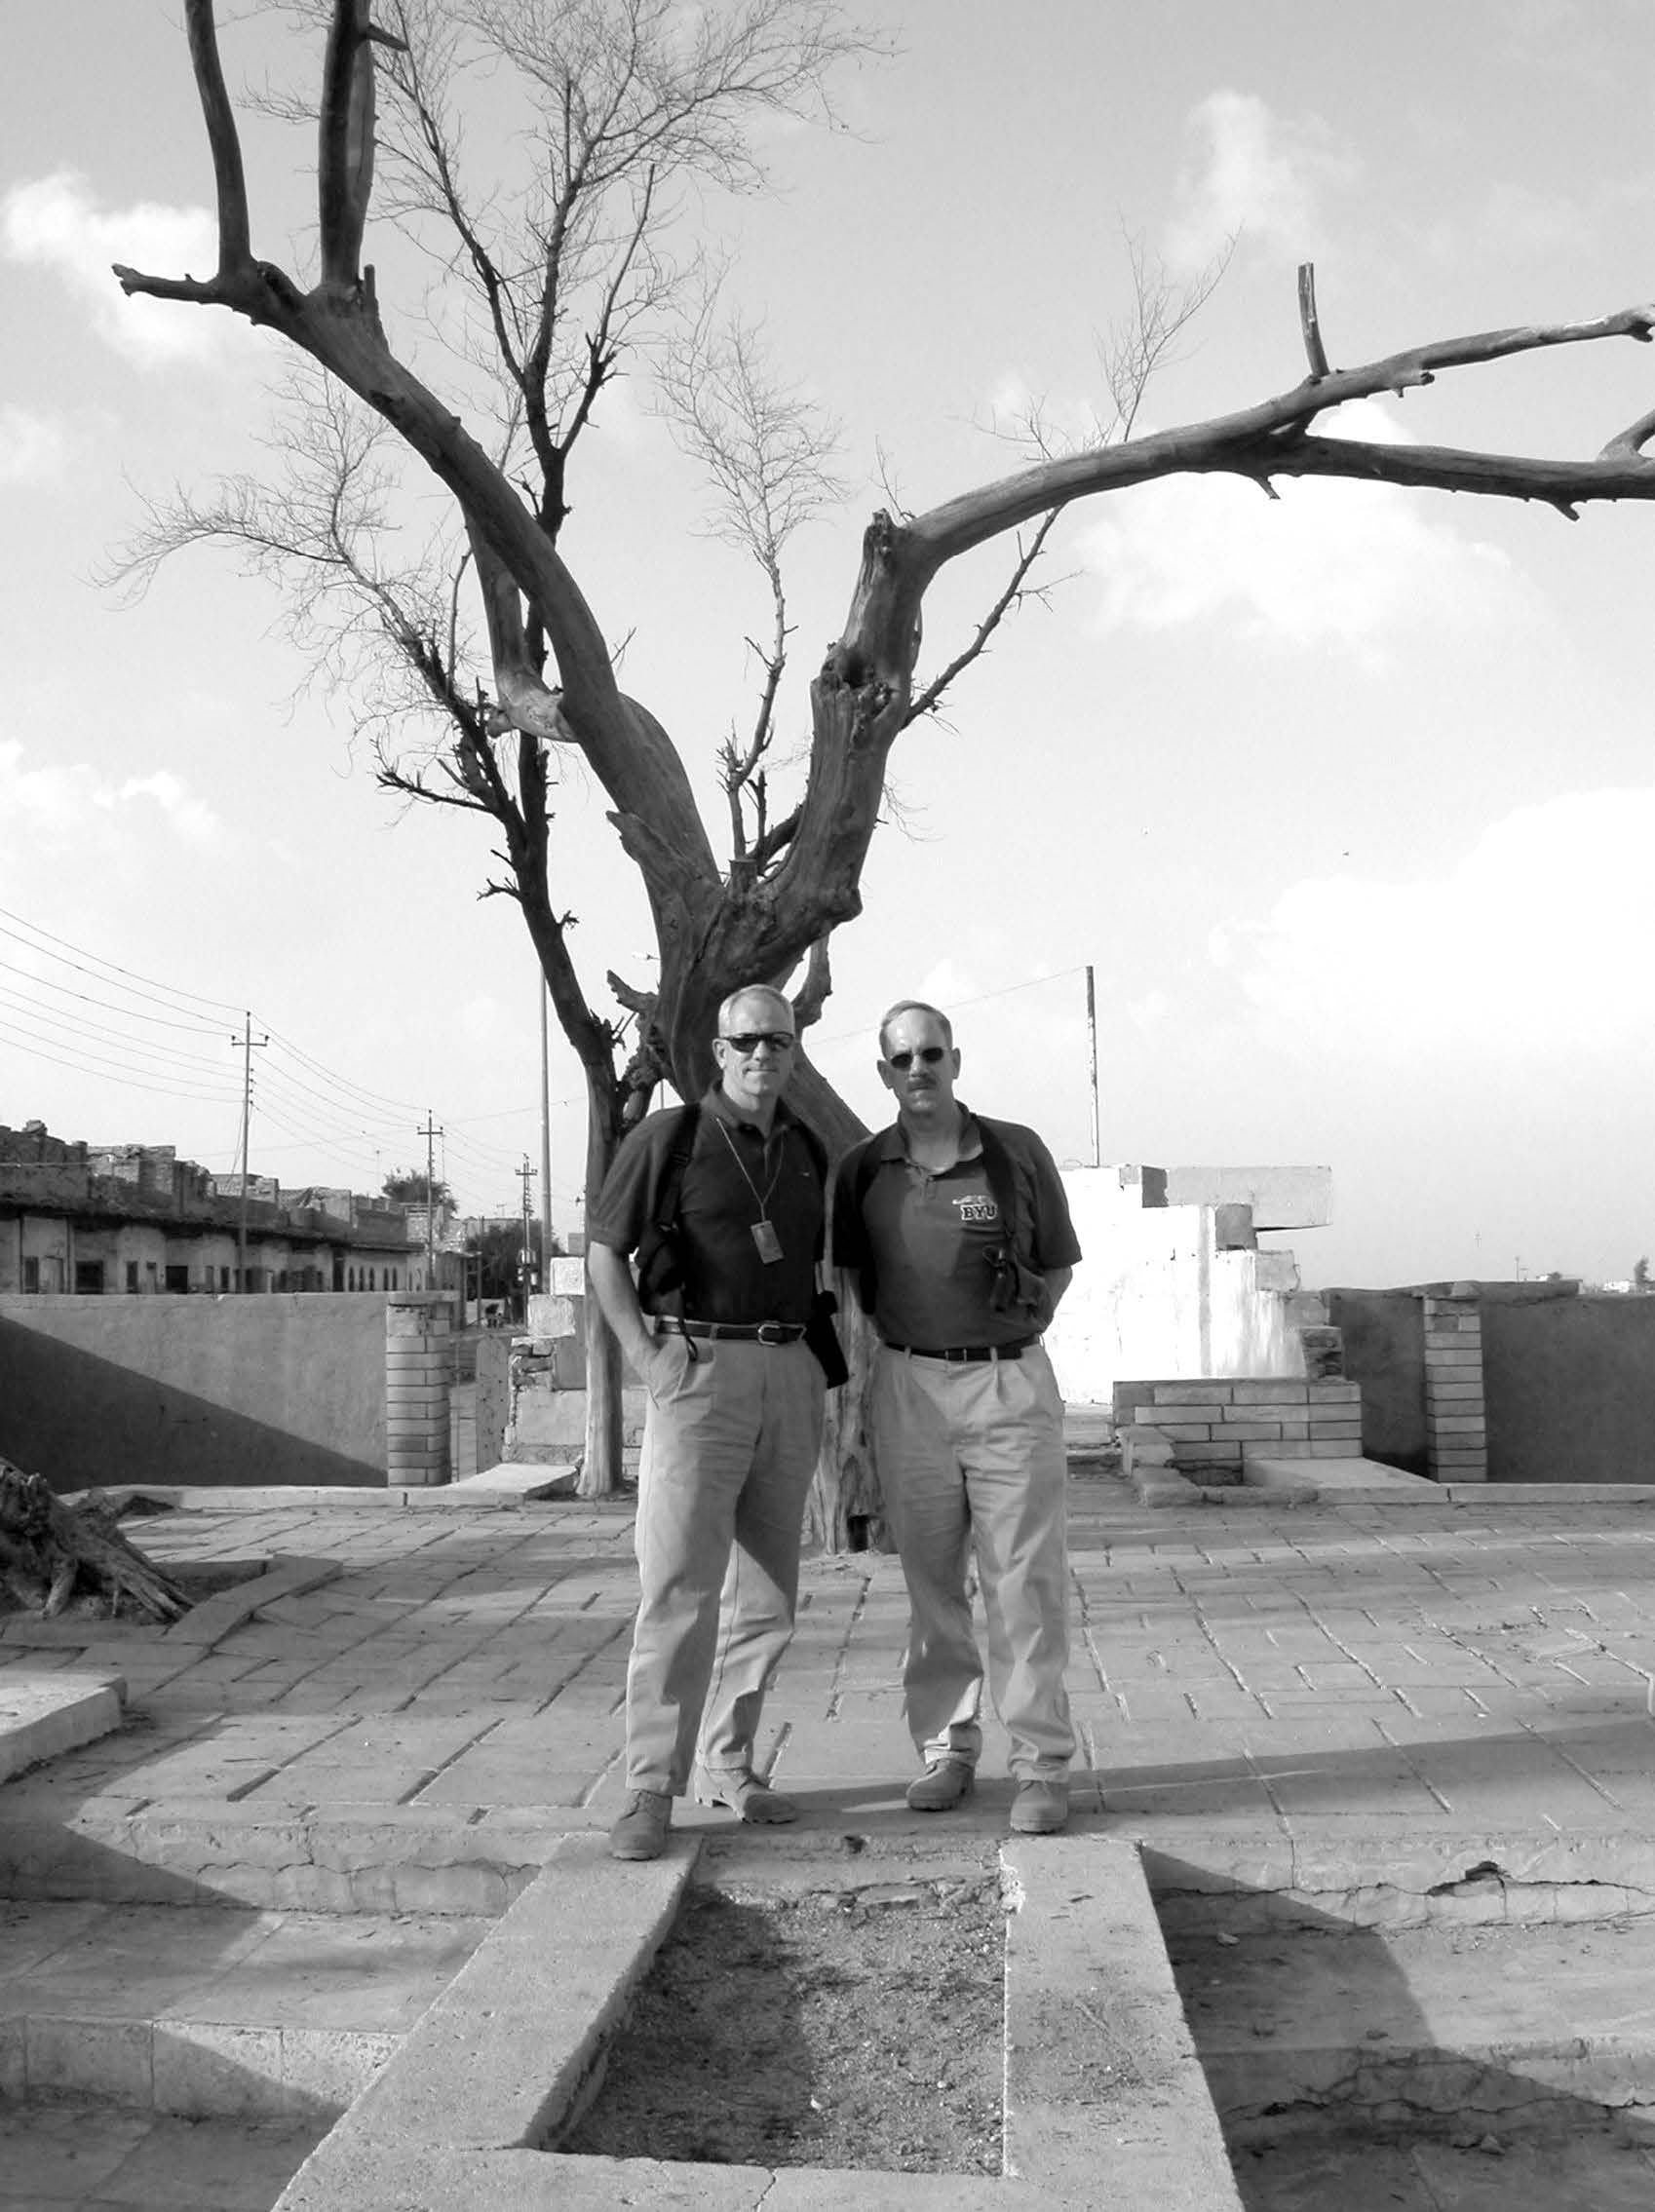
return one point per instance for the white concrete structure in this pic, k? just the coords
(1167, 1290)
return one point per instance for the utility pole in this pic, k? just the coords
(431, 1133)
(526, 1176)
(1092, 1056)
(248, 1045)
(545, 1144)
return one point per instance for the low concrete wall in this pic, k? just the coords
(217, 1391)
(1383, 1349)
(1549, 1385)
(1569, 1386)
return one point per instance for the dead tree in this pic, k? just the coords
(51, 1556)
(553, 680)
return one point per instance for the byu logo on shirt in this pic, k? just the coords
(978, 1212)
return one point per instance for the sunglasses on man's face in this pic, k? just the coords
(750, 1040)
(929, 1053)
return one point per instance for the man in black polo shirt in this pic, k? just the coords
(734, 1423)
(959, 1232)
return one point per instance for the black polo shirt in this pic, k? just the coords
(733, 1177)
(923, 1242)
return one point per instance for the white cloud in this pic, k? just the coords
(1325, 561)
(72, 807)
(1537, 939)
(32, 447)
(1254, 173)
(188, 816)
(54, 223)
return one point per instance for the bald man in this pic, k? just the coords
(733, 1422)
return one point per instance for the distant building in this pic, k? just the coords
(84, 1219)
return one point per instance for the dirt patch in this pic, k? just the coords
(848, 2028)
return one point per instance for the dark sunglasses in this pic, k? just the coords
(750, 1040)
(929, 1053)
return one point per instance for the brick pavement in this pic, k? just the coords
(1387, 1711)
(1420, 1666)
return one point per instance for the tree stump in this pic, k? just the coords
(50, 1552)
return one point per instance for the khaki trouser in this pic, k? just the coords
(971, 1458)
(730, 1445)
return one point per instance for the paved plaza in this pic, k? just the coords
(421, 1697)
(1425, 1666)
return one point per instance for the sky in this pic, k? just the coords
(1345, 800)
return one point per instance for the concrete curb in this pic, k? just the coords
(1105, 2100)
(393, 2178)
(42, 1715)
(551, 1484)
(1106, 2105)
(1263, 1484)
(520, 1480)
(390, 1859)
(500, 2059)
(1284, 1485)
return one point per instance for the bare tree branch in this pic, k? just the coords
(344, 169)
(1012, 595)
(235, 249)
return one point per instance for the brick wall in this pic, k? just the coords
(1456, 1415)
(1219, 1425)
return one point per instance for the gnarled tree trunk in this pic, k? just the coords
(50, 1552)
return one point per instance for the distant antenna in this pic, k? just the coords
(1092, 1056)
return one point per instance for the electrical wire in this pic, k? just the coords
(294, 1091)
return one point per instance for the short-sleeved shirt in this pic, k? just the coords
(924, 1240)
(733, 1177)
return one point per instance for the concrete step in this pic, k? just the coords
(43, 1714)
(215, 2010)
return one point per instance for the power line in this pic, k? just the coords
(173, 991)
(131, 1013)
(104, 1068)
(167, 1059)
(112, 1052)
(1006, 991)
(113, 1074)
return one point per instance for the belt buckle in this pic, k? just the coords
(773, 1332)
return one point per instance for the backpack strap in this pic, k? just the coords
(660, 1270)
(1002, 1182)
(1018, 1285)
(666, 1216)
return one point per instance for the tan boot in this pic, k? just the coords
(642, 1830)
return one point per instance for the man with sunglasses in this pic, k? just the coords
(959, 1234)
(734, 1421)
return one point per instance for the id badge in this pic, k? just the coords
(768, 1242)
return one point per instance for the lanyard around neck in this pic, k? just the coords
(762, 1198)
